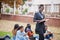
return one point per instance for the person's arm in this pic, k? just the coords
(14, 32)
(35, 18)
(40, 20)
(18, 35)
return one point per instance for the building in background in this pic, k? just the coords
(24, 12)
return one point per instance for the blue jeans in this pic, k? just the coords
(48, 36)
(14, 37)
(36, 36)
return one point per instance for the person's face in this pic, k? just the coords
(41, 9)
(22, 29)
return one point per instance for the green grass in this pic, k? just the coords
(5, 33)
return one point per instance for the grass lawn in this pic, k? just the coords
(5, 33)
(7, 26)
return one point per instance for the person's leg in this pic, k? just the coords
(32, 38)
(41, 37)
(46, 37)
(50, 36)
(26, 37)
(13, 38)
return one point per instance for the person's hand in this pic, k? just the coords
(25, 34)
(46, 19)
(41, 20)
(51, 38)
(45, 34)
(38, 21)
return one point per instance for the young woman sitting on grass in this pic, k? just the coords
(21, 35)
(14, 31)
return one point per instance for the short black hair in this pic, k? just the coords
(28, 25)
(41, 5)
(16, 26)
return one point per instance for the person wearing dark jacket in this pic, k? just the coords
(39, 18)
(28, 28)
(29, 32)
(7, 37)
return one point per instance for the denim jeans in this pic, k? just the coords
(14, 37)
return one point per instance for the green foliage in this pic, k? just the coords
(23, 12)
(26, 10)
(16, 12)
(7, 10)
(24, 1)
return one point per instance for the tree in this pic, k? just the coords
(11, 2)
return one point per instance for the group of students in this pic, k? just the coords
(20, 34)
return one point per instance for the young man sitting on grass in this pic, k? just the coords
(48, 35)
